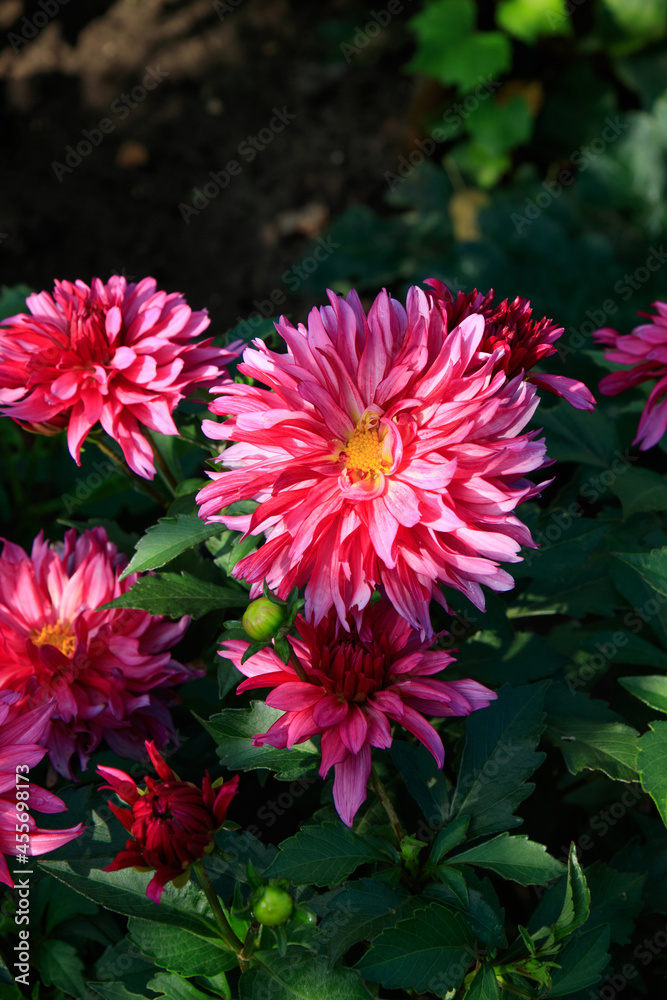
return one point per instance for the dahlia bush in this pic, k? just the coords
(330, 729)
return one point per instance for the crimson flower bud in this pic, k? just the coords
(263, 618)
(172, 822)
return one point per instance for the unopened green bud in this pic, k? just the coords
(263, 618)
(272, 906)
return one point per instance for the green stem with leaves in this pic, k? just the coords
(227, 933)
(387, 805)
(142, 483)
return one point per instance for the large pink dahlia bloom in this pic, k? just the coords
(105, 674)
(520, 342)
(20, 732)
(387, 451)
(355, 683)
(172, 823)
(645, 349)
(119, 354)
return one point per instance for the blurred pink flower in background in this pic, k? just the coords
(645, 349)
(356, 682)
(120, 354)
(105, 674)
(20, 732)
(386, 452)
(172, 822)
(524, 342)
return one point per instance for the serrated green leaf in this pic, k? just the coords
(233, 730)
(582, 961)
(651, 690)
(484, 986)
(641, 577)
(323, 855)
(60, 966)
(589, 737)
(359, 912)
(641, 490)
(115, 991)
(579, 436)
(498, 757)
(449, 838)
(423, 779)
(177, 594)
(617, 900)
(428, 952)
(299, 976)
(576, 904)
(180, 951)
(515, 858)
(170, 985)
(125, 892)
(652, 765)
(167, 539)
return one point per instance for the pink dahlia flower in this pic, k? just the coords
(172, 822)
(519, 341)
(105, 674)
(119, 354)
(386, 452)
(645, 349)
(20, 732)
(355, 682)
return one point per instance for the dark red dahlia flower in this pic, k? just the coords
(172, 822)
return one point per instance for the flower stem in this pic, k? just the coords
(298, 667)
(226, 932)
(381, 793)
(143, 483)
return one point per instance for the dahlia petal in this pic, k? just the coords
(351, 779)
(329, 711)
(573, 391)
(353, 729)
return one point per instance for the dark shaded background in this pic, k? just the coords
(118, 210)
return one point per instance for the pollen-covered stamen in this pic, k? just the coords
(59, 635)
(363, 452)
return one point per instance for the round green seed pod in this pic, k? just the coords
(272, 906)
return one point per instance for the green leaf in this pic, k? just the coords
(428, 952)
(170, 985)
(498, 758)
(60, 966)
(641, 490)
(590, 738)
(167, 539)
(125, 892)
(449, 838)
(651, 690)
(617, 900)
(115, 991)
(323, 855)
(516, 858)
(175, 595)
(299, 976)
(451, 51)
(359, 912)
(641, 577)
(529, 19)
(578, 436)
(233, 730)
(581, 961)
(652, 765)
(180, 951)
(423, 779)
(484, 986)
(576, 904)
(12, 299)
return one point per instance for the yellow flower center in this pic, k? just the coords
(59, 635)
(363, 452)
